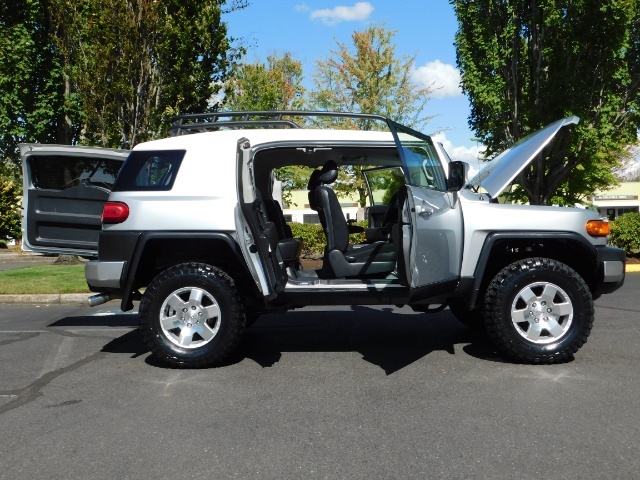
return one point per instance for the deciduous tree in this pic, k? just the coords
(527, 63)
(369, 77)
(276, 85)
(33, 106)
(108, 72)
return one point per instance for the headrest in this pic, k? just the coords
(329, 172)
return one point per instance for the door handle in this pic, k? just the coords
(424, 210)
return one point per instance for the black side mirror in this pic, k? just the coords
(457, 176)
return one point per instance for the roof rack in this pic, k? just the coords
(206, 122)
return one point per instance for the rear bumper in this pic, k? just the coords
(103, 275)
(611, 269)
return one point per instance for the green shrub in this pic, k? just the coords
(10, 193)
(312, 236)
(625, 232)
(313, 239)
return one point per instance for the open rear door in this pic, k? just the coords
(64, 190)
(258, 236)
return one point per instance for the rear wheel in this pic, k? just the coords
(538, 310)
(191, 315)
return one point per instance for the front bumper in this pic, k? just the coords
(611, 269)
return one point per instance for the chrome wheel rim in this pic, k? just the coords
(190, 317)
(542, 313)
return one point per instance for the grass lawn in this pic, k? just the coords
(44, 279)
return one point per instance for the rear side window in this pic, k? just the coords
(153, 170)
(59, 172)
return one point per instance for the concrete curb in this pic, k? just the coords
(53, 298)
(633, 267)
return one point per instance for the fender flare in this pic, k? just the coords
(131, 268)
(471, 287)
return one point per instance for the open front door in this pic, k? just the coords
(64, 190)
(258, 236)
(432, 219)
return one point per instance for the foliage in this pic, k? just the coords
(369, 78)
(526, 64)
(107, 72)
(625, 232)
(33, 105)
(137, 63)
(10, 195)
(274, 86)
(314, 240)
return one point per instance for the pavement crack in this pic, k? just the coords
(34, 390)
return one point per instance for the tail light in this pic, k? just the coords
(115, 212)
(598, 228)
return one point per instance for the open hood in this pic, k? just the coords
(501, 171)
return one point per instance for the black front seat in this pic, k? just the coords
(342, 259)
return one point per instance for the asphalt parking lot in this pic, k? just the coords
(361, 392)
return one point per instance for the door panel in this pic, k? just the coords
(68, 219)
(436, 237)
(432, 219)
(64, 190)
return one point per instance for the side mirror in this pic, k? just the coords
(457, 176)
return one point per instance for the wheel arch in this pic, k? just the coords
(503, 248)
(157, 251)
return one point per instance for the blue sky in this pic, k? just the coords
(425, 29)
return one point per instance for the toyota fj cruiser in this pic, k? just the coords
(191, 228)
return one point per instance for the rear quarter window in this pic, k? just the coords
(153, 170)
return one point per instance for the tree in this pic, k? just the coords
(32, 101)
(136, 63)
(525, 64)
(368, 78)
(276, 85)
(108, 72)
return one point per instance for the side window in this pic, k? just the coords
(59, 172)
(150, 170)
(421, 161)
(383, 183)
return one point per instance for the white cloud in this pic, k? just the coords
(360, 11)
(463, 154)
(443, 78)
(301, 7)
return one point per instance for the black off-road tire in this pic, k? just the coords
(552, 302)
(191, 315)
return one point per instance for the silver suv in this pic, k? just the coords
(191, 228)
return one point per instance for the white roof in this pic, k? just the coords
(225, 139)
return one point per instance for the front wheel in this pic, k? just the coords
(538, 310)
(191, 315)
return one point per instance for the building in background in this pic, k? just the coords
(299, 211)
(621, 199)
